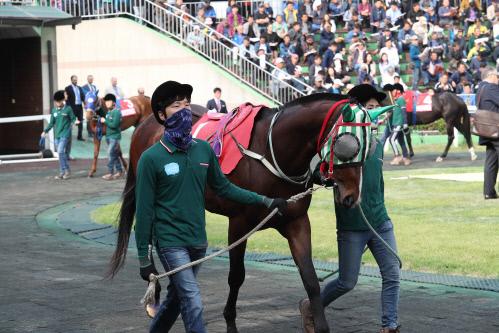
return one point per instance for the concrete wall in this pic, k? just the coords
(139, 56)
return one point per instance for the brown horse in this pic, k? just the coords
(142, 106)
(454, 112)
(295, 134)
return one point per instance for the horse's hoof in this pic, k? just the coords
(474, 157)
(90, 175)
(439, 159)
(232, 329)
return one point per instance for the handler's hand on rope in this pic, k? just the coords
(279, 203)
(146, 271)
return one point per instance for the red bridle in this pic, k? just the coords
(321, 140)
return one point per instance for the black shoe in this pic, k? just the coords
(80, 139)
(490, 196)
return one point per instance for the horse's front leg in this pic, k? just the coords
(297, 232)
(122, 159)
(96, 157)
(237, 272)
(450, 138)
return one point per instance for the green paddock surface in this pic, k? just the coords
(441, 226)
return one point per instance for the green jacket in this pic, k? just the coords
(397, 118)
(61, 119)
(372, 197)
(170, 195)
(113, 123)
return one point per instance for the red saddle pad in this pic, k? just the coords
(239, 124)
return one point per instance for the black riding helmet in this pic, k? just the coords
(364, 92)
(59, 96)
(167, 93)
(110, 97)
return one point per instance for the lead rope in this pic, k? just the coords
(149, 297)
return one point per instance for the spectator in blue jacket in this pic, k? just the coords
(404, 37)
(286, 48)
(327, 36)
(415, 56)
(432, 68)
(378, 16)
(461, 75)
(328, 56)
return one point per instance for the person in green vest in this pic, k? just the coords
(170, 207)
(61, 119)
(112, 120)
(353, 235)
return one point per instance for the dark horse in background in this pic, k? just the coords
(297, 130)
(454, 112)
(142, 107)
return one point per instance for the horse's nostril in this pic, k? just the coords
(348, 201)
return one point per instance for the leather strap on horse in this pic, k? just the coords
(332, 109)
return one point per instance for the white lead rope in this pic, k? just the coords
(149, 297)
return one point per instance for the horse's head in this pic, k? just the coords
(345, 149)
(92, 102)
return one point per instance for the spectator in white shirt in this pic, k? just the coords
(392, 53)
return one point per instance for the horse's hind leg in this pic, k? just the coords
(298, 234)
(450, 138)
(464, 128)
(237, 272)
(96, 157)
(122, 159)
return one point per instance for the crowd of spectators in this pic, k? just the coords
(331, 45)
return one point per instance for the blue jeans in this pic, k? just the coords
(113, 154)
(62, 145)
(183, 295)
(415, 78)
(350, 248)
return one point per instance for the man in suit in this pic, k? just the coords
(216, 103)
(76, 97)
(89, 87)
(488, 99)
(115, 90)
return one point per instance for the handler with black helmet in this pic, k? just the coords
(171, 181)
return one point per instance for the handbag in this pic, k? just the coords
(485, 123)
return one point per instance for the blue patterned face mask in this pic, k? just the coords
(178, 129)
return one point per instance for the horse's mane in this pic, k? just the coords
(314, 98)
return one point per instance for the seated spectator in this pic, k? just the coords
(341, 68)
(305, 8)
(478, 62)
(195, 38)
(391, 51)
(467, 89)
(309, 50)
(280, 78)
(200, 16)
(480, 47)
(352, 18)
(398, 79)
(460, 39)
(456, 55)
(328, 56)
(482, 30)
(495, 53)
(469, 12)
(436, 44)
(231, 4)
(273, 40)
(446, 13)
(239, 35)
(422, 29)
(492, 9)
(224, 30)
(262, 19)
(305, 24)
(415, 13)
(359, 55)
(327, 20)
(385, 69)
(295, 34)
(280, 27)
(431, 16)
(268, 10)
(286, 48)
(315, 69)
(460, 75)
(299, 81)
(234, 19)
(336, 87)
(371, 68)
(330, 77)
(378, 16)
(432, 68)
(404, 37)
(291, 63)
(246, 50)
(387, 34)
(251, 30)
(319, 85)
(209, 11)
(336, 7)
(327, 36)
(261, 58)
(443, 84)
(415, 57)
(394, 15)
(364, 9)
(364, 75)
(354, 35)
(262, 44)
(290, 14)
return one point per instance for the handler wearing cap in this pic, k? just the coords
(488, 99)
(61, 118)
(353, 235)
(171, 182)
(113, 137)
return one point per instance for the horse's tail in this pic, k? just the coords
(125, 218)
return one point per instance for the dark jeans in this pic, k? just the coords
(490, 168)
(184, 296)
(113, 151)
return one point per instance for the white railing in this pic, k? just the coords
(273, 83)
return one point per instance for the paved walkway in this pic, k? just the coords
(52, 279)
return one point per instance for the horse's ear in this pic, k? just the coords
(375, 113)
(348, 113)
